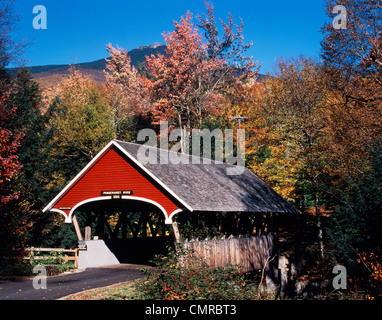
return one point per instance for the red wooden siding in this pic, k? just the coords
(113, 173)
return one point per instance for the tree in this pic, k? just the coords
(10, 164)
(347, 49)
(11, 226)
(352, 59)
(357, 218)
(182, 77)
(29, 120)
(128, 91)
(193, 75)
(230, 48)
(293, 107)
(82, 121)
(190, 80)
(34, 151)
(245, 99)
(10, 49)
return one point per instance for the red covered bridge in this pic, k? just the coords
(117, 179)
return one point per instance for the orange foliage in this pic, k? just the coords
(373, 263)
(185, 82)
(128, 90)
(352, 127)
(9, 163)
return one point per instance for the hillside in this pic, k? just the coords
(50, 75)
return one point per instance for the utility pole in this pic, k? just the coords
(238, 118)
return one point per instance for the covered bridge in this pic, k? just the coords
(120, 179)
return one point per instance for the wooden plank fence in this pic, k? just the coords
(250, 252)
(34, 251)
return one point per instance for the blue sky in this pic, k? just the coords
(78, 30)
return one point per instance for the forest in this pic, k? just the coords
(313, 129)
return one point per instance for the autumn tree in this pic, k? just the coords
(82, 122)
(190, 80)
(193, 75)
(127, 89)
(12, 223)
(244, 100)
(34, 152)
(230, 46)
(12, 226)
(293, 108)
(180, 78)
(29, 120)
(353, 51)
(352, 59)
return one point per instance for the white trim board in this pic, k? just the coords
(93, 161)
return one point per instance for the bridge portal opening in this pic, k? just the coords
(134, 231)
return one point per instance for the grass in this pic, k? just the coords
(120, 291)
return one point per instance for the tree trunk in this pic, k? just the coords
(319, 226)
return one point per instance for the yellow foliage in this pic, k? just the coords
(83, 121)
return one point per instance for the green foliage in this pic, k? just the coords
(181, 277)
(357, 218)
(54, 262)
(15, 268)
(34, 151)
(30, 182)
(82, 120)
(200, 225)
(204, 225)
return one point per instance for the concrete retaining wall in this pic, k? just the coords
(97, 254)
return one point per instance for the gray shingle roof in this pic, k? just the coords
(207, 187)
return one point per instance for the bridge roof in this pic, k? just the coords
(191, 184)
(207, 186)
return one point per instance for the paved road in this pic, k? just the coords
(60, 286)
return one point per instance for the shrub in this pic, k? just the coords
(182, 277)
(15, 268)
(54, 263)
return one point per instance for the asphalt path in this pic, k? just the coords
(66, 284)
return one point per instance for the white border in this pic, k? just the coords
(112, 143)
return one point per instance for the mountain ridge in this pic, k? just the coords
(137, 56)
(49, 75)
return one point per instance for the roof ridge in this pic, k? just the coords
(213, 161)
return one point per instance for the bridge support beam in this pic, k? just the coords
(77, 228)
